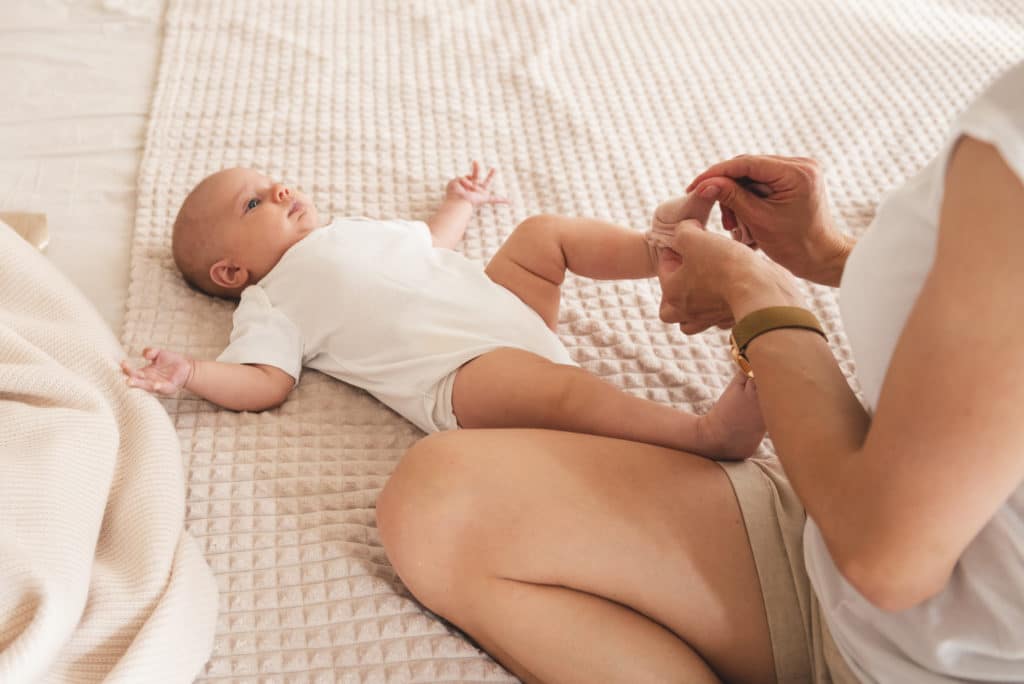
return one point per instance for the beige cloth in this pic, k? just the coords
(774, 518)
(98, 579)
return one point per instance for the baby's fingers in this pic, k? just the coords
(152, 385)
(140, 381)
(489, 178)
(127, 369)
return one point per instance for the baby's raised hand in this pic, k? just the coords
(166, 373)
(472, 189)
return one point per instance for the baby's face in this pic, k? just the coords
(259, 219)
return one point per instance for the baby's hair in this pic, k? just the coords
(194, 245)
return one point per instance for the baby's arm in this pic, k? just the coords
(239, 387)
(462, 195)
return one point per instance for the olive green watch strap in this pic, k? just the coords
(772, 318)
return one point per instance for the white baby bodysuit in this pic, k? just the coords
(376, 305)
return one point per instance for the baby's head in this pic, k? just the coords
(234, 227)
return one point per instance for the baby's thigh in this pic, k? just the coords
(529, 382)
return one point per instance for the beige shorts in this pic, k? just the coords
(774, 518)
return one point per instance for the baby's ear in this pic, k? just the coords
(229, 275)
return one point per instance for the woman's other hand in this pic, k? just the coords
(708, 279)
(779, 204)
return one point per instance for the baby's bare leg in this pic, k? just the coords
(513, 388)
(533, 261)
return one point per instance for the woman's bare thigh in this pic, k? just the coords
(657, 530)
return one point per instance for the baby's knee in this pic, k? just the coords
(537, 227)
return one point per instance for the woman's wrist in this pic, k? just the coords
(828, 256)
(761, 286)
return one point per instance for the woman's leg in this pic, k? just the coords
(578, 558)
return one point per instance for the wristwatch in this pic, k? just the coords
(763, 320)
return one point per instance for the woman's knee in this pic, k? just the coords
(423, 516)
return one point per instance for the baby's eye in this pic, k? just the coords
(251, 204)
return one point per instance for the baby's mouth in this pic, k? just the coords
(296, 208)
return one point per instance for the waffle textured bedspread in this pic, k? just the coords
(587, 108)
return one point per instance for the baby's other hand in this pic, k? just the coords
(472, 189)
(166, 373)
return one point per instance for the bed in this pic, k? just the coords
(598, 109)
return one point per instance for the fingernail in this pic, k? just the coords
(710, 192)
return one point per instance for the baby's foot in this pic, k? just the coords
(672, 212)
(667, 216)
(734, 427)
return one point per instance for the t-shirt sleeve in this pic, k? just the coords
(997, 117)
(262, 334)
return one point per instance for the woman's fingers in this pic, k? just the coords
(759, 169)
(760, 189)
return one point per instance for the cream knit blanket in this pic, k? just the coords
(595, 108)
(98, 579)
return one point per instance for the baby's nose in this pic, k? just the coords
(281, 192)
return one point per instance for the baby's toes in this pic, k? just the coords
(690, 206)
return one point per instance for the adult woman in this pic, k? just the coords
(571, 557)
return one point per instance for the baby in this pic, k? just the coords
(388, 306)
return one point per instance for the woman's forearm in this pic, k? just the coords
(815, 420)
(819, 428)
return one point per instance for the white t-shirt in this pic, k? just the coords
(973, 631)
(376, 305)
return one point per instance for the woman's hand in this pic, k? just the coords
(778, 204)
(708, 279)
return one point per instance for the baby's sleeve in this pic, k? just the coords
(263, 334)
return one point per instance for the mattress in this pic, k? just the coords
(586, 108)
